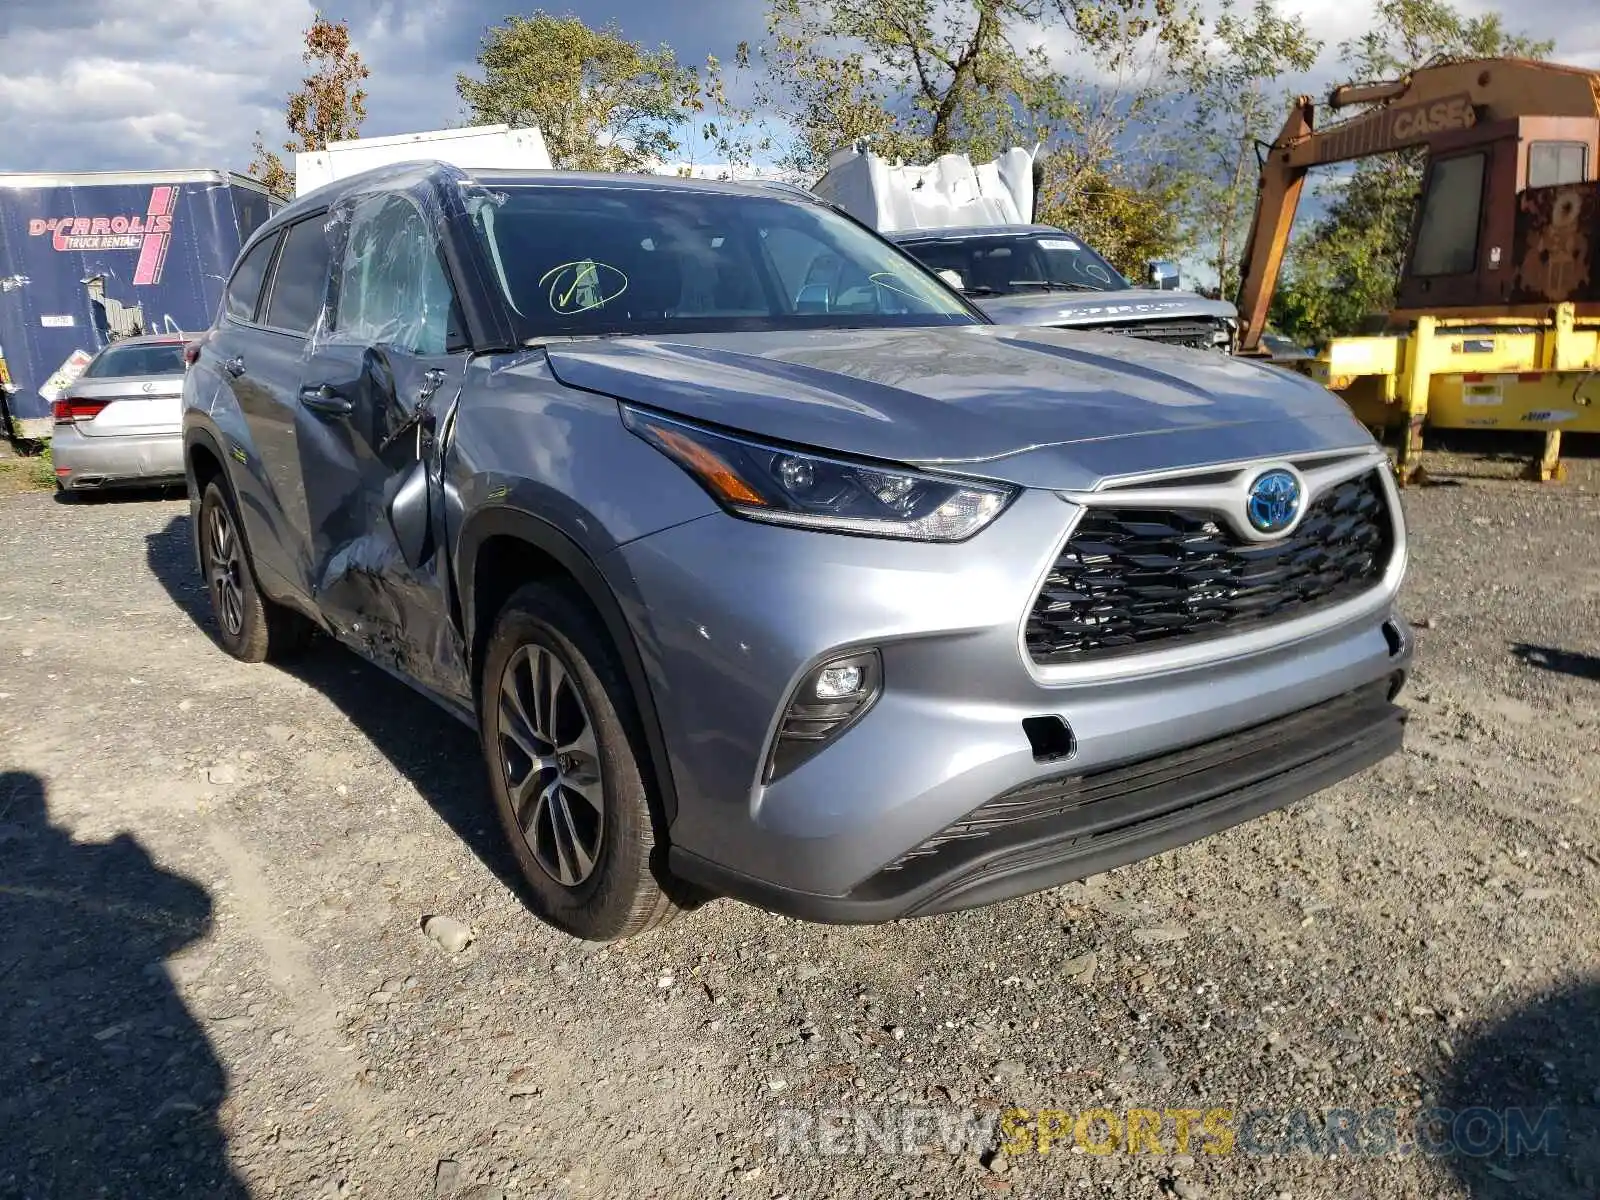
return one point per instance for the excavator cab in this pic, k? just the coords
(1507, 217)
(1496, 322)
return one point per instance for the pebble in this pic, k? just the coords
(222, 774)
(449, 933)
(1081, 966)
(446, 1177)
(1187, 1189)
(1010, 1068)
(998, 1163)
(808, 971)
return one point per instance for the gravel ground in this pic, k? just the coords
(215, 983)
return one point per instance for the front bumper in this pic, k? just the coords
(84, 463)
(731, 615)
(1071, 826)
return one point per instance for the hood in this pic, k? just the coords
(1126, 307)
(1032, 406)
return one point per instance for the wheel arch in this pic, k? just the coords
(202, 462)
(502, 548)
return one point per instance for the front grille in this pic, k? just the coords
(1201, 335)
(1131, 579)
(1099, 803)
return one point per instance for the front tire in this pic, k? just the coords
(249, 626)
(564, 772)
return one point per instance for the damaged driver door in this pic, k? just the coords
(377, 383)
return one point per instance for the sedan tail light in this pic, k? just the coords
(191, 353)
(76, 408)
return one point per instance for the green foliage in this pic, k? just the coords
(1128, 218)
(1233, 107)
(913, 78)
(603, 103)
(1346, 268)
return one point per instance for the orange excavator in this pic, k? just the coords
(1497, 315)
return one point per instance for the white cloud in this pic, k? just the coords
(183, 85)
(99, 84)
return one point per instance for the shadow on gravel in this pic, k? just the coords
(438, 754)
(122, 495)
(1563, 662)
(1534, 1073)
(108, 1087)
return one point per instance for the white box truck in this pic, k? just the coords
(476, 147)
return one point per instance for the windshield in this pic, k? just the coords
(597, 260)
(147, 358)
(1039, 262)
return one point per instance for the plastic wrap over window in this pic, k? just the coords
(391, 286)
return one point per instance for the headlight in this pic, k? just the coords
(793, 487)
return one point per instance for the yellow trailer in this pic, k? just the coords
(1475, 373)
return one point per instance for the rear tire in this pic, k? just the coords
(249, 626)
(560, 738)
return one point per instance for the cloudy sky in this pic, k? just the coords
(103, 84)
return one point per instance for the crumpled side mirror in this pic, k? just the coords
(411, 517)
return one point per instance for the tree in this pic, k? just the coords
(1129, 214)
(603, 103)
(918, 78)
(1233, 106)
(1347, 266)
(913, 78)
(329, 105)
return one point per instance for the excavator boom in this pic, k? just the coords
(1430, 107)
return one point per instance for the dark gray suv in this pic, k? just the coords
(767, 566)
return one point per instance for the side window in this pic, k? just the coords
(814, 265)
(393, 288)
(1447, 238)
(792, 254)
(1550, 163)
(244, 289)
(300, 281)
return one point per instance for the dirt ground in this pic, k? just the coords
(213, 980)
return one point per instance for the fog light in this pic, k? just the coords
(835, 683)
(829, 699)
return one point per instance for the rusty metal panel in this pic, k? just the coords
(1558, 229)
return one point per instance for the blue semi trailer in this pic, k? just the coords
(86, 258)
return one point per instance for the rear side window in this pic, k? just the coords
(1550, 163)
(300, 282)
(149, 358)
(244, 289)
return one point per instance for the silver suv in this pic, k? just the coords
(832, 596)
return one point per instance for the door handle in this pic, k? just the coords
(323, 399)
(234, 366)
